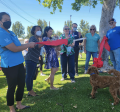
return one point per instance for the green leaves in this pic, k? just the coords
(83, 27)
(75, 6)
(58, 33)
(52, 3)
(18, 29)
(42, 23)
(29, 32)
(68, 23)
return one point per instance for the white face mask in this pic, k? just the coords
(38, 33)
(111, 26)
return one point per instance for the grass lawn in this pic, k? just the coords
(71, 97)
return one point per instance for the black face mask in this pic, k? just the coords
(7, 24)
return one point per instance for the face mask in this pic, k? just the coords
(74, 29)
(111, 26)
(69, 49)
(38, 33)
(7, 24)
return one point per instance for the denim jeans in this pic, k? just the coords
(76, 49)
(115, 58)
(30, 73)
(71, 65)
(64, 75)
(88, 56)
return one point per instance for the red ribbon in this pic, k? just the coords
(98, 61)
(54, 42)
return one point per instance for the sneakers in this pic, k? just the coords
(85, 72)
(46, 80)
(76, 74)
(72, 81)
(63, 79)
(42, 74)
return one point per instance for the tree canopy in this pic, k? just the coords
(18, 29)
(75, 6)
(83, 27)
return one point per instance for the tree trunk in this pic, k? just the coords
(107, 14)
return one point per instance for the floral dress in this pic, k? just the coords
(51, 56)
(64, 48)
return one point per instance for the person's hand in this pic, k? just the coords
(32, 44)
(39, 58)
(58, 46)
(40, 39)
(71, 32)
(85, 51)
(98, 51)
(73, 43)
(67, 37)
(50, 40)
(69, 45)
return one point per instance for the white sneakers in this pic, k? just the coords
(42, 74)
(72, 81)
(85, 72)
(76, 74)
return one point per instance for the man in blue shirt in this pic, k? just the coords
(77, 35)
(113, 36)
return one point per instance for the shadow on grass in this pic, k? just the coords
(71, 97)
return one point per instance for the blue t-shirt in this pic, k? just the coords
(113, 36)
(9, 58)
(92, 42)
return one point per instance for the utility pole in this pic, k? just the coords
(49, 23)
(70, 22)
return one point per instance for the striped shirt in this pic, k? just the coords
(33, 53)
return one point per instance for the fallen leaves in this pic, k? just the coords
(75, 106)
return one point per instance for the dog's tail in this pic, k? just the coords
(115, 72)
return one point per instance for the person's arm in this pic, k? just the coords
(98, 45)
(58, 48)
(72, 44)
(80, 36)
(40, 45)
(14, 48)
(71, 32)
(39, 58)
(26, 49)
(32, 39)
(79, 44)
(85, 46)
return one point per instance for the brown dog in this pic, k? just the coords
(98, 81)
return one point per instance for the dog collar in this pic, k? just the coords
(92, 73)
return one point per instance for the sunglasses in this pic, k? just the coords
(67, 29)
(111, 22)
(92, 29)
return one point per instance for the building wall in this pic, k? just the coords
(21, 40)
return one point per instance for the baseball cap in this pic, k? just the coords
(112, 20)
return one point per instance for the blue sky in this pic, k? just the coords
(37, 11)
